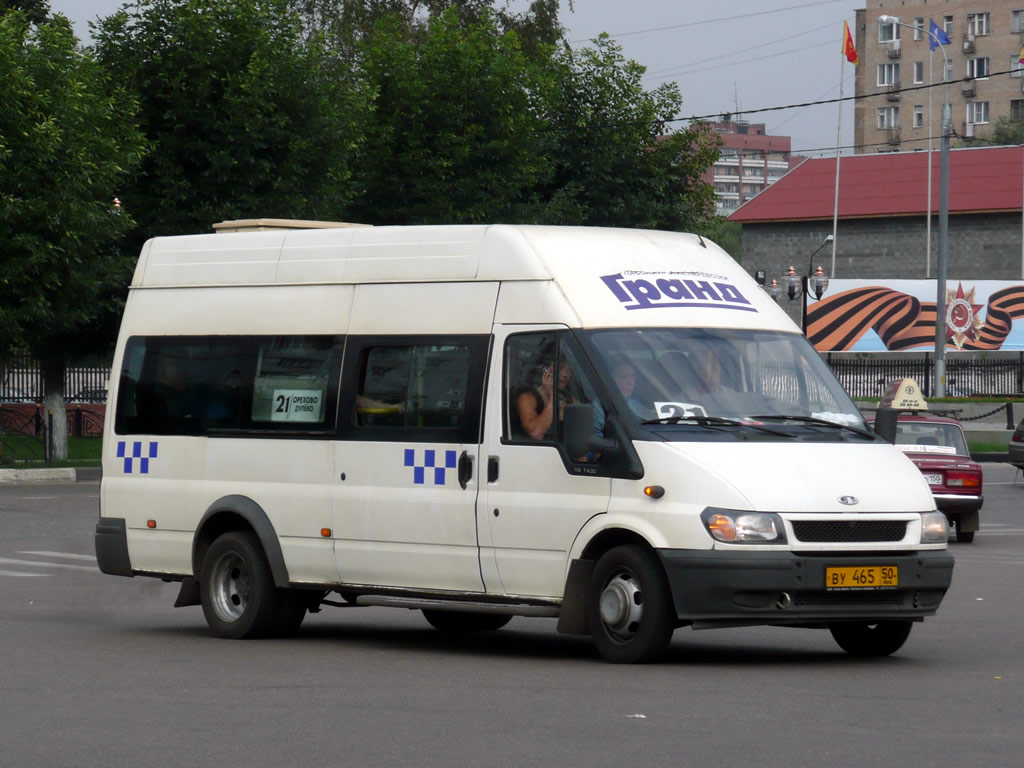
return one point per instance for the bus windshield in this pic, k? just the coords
(672, 375)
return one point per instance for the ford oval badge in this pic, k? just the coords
(848, 500)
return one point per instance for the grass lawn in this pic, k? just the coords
(21, 452)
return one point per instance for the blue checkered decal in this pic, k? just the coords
(136, 455)
(419, 471)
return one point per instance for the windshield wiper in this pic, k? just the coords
(715, 421)
(816, 421)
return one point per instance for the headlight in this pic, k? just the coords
(934, 528)
(734, 526)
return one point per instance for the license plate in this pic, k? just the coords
(933, 479)
(862, 577)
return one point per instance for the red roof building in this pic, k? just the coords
(982, 180)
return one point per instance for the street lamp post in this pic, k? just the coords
(939, 388)
(815, 281)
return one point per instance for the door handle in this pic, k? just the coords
(492, 469)
(465, 469)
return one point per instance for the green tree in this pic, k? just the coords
(1007, 131)
(455, 125)
(349, 23)
(68, 140)
(616, 165)
(248, 118)
(728, 234)
(35, 11)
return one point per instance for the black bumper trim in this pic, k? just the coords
(777, 588)
(112, 547)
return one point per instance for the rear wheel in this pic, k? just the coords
(464, 621)
(879, 639)
(629, 606)
(236, 587)
(964, 537)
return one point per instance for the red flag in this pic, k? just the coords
(849, 49)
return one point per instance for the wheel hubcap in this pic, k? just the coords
(229, 587)
(622, 605)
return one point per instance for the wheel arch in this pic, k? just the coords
(239, 513)
(572, 616)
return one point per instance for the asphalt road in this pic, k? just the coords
(102, 671)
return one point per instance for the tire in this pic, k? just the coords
(962, 536)
(879, 639)
(629, 606)
(236, 588)
(463, 621)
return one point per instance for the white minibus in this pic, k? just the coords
(615, 428)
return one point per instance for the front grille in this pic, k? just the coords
(842, 531)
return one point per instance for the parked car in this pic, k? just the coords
(937, 446)
(1016, 448)
(90, 395)
(14, 395)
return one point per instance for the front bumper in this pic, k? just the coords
(719, 588)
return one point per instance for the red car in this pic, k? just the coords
(937, 446)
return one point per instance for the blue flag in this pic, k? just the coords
(936, 36)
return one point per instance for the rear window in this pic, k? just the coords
(931, 437)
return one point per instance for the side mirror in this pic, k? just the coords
(885, 424)
(578, 429)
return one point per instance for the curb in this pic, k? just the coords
(50, 475)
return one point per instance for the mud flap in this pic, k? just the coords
(572, 619)
(188, 594)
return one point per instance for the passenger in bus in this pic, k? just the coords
(171, 397)
(624, 374)
(708, 364)
(536, 404)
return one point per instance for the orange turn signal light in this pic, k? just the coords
(654, 491)
(151, 523)
(325, 532)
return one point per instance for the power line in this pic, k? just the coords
(668, 73)
(908, 89)
(714, 21)
(674, 70)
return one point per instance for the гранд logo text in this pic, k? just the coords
(652, 290)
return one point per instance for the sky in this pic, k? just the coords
(737, 56)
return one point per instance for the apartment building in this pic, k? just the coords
(749, 162)
(979, 69)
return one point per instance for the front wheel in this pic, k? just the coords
(880, 639)
(236, 587)
(462, 621)
(629, 606)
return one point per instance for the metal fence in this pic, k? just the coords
(22, 376)
(988, 376)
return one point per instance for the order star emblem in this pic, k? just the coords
(962, 321)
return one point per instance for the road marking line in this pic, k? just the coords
(21, 574)
(67, 555)
(30, 563)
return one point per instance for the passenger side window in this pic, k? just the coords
(415, 389)
(543, 373)
(192, 385)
